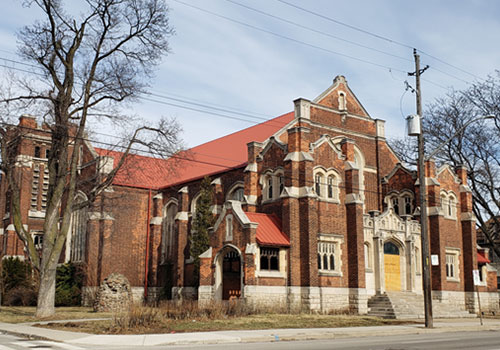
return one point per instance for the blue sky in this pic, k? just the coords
(218, 62)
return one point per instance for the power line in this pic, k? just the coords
(346, 25)
(180, 157)
(288, 38)
(375, 36)
(317, 31)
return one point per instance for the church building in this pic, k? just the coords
(312, 209)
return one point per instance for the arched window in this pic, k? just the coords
(168, 230)
(407, 205)
(237, 194)
(452, 206)
(342, 101)
(281, 182)
(270, 187)
(318, 179)
(368, 256)
(78, 230)
(395, 204)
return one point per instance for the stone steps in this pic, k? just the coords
(406, 305)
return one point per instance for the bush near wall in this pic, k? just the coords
(18, 285)
(69, 279)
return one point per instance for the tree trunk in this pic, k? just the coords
(47, 292)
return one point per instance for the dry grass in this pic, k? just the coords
(22, 314)
(171, 317)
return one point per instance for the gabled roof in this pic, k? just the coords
(219, 155)
(138, 171)
(269, 230)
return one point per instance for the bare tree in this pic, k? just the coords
(87, 66)
(477, 146)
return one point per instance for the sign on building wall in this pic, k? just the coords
(435, 260)
(477, 279)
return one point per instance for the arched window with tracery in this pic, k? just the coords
(79, 219)
(168, 230)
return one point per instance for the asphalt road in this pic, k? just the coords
(487, 340)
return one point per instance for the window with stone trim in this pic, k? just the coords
(229, 227)
(269, 259)
(452, 264)
(237, 194)
(326, 184)
(329, 253)
(273, 184)
(37, 239)
(326, 256)
(368, 256)
(79, 219)
(449, 204)
(401, 202)
(318, 180)
(168, 231)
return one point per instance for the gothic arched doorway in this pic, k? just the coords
(231, 275)
(392, 267)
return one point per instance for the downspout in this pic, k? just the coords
(146, 263)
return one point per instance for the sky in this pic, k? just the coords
(249, 65)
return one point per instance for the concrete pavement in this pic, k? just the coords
(268, 335)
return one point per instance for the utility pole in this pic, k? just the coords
(426, 282)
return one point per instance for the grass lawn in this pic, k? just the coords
(260, 321)
(21, 314)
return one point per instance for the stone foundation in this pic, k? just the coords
(179, 293)
(489, 302)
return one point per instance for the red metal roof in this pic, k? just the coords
(481, 258)
(222, 154)
(269, 230)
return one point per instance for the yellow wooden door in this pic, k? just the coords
(392, 272)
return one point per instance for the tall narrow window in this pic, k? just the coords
(270, 187)
(78, 230)
(317, 184)
(330, 187)
(282, 184)
(229, 228)
(168, 235)
(408, 207)
(395, 205)
(37, 152)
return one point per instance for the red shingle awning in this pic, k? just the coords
(269, 230)
(481, 258)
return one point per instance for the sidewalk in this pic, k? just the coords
(440, 326)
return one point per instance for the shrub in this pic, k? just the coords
(18, 284)
(69, 279)
(20, 296)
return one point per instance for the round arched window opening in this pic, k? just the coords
(391, 248)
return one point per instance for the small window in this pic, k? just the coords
(238, 194)
(326, 256)
(38, 240)
(229, 228)
(269, 259)
(37, 152)
(47, 153)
